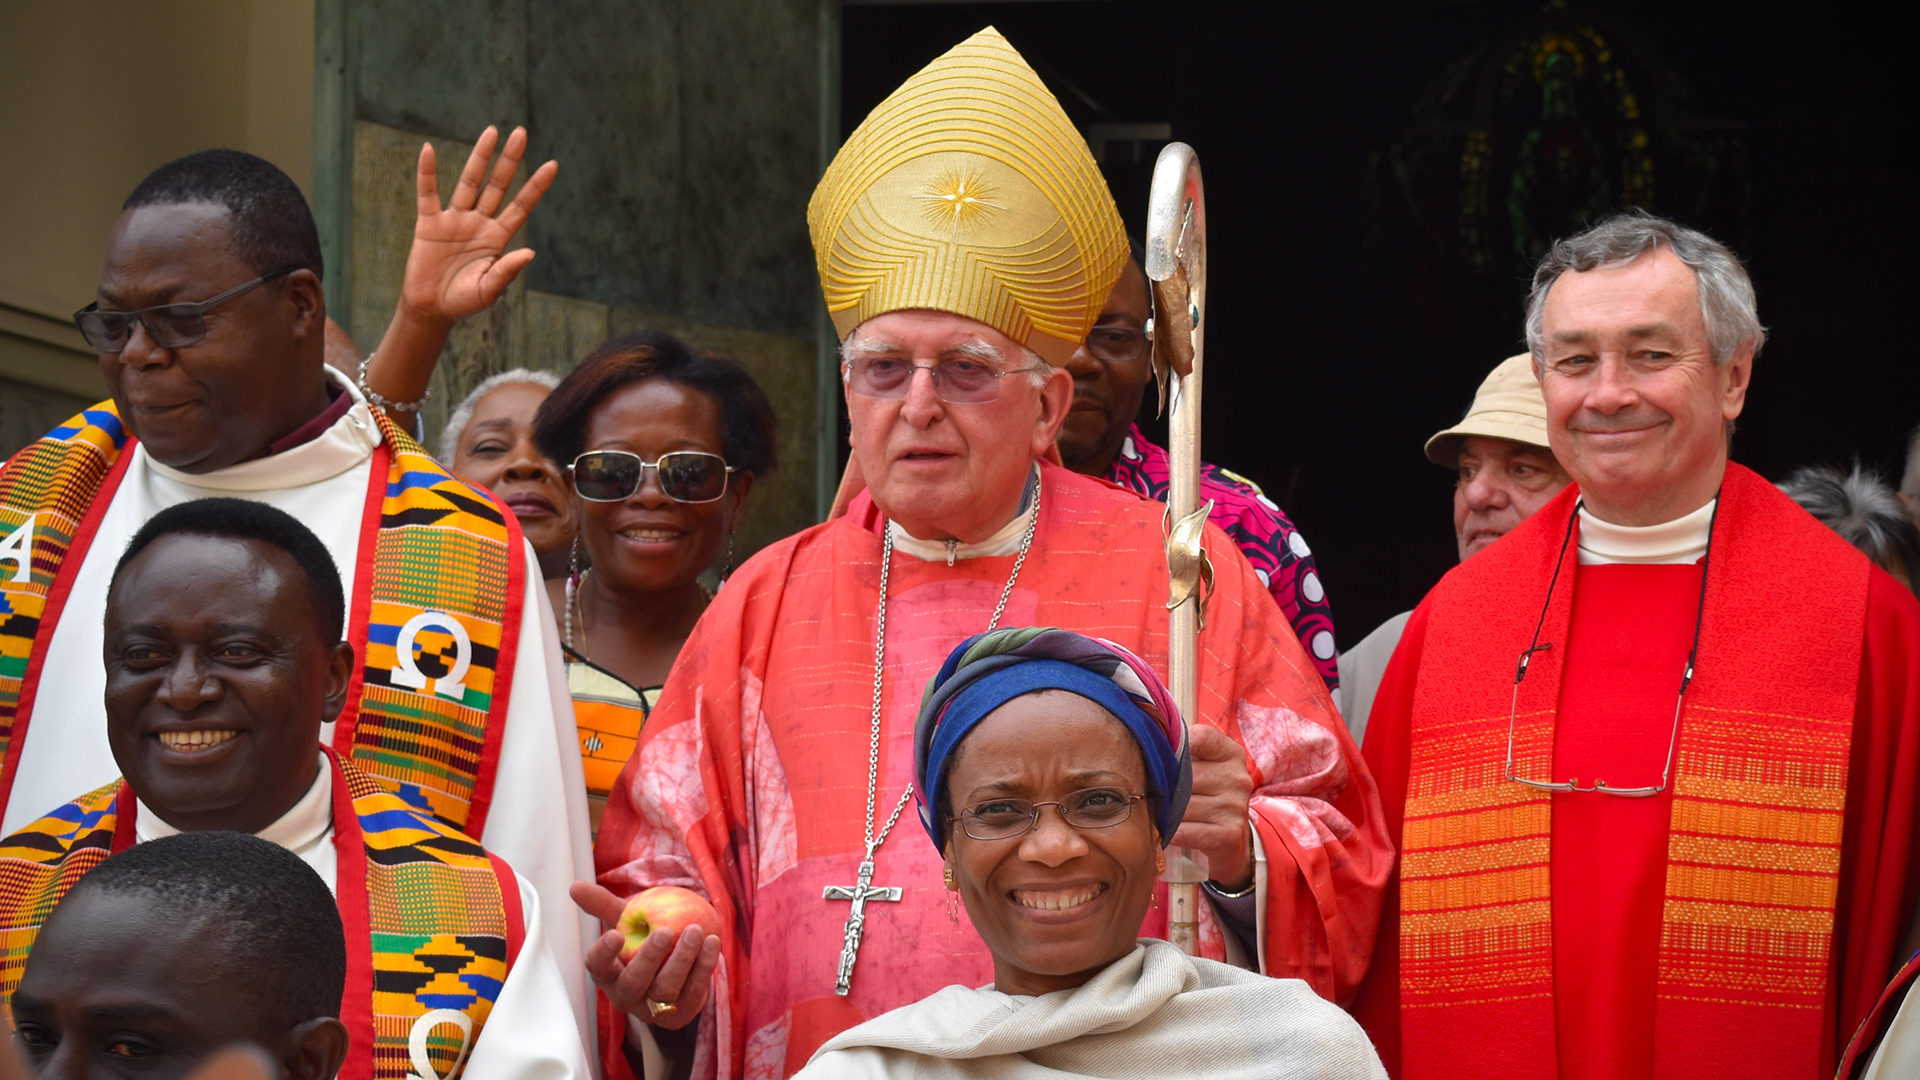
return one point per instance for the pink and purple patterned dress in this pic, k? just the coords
(1276, 549)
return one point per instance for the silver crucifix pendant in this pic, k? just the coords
(859, 893)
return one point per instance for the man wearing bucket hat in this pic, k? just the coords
(965, 243)
(1503, 470)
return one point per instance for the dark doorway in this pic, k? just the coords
(1380, 178)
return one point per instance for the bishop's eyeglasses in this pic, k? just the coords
(1600, 786)
(955, 381)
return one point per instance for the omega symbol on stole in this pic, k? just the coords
(406, 671)
(423, 1027)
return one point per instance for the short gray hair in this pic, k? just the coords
(1726, 293)
(462, 414)
(1863, 509)
(855, 346)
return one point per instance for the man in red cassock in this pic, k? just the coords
(966, 243)
(1650, 758)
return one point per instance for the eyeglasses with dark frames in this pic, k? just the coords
(687, 476)
(171, 326)
(1088, 808)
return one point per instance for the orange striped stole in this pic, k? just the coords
(1759, 796)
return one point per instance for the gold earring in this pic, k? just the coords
(953, 895)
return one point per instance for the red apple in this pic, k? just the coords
(667, 909)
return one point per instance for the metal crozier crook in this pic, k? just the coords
(1177, 272)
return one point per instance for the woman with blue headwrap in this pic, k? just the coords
(1051, 770)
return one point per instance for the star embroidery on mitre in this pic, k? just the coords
(959, 198)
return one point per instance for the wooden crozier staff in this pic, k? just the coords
(1177, 269)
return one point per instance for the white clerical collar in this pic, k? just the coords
(307, 824)
(1004, 542)
(1682, 540)
(343, 446)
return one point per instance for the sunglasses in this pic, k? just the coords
(171, 326)
(688, 476)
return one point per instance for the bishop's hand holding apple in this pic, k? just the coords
(661, 976)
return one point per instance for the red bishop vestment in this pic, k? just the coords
(1740, 923)
(750, 781)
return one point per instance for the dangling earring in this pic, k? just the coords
(573, 585)
(953, 896)
(726, 569)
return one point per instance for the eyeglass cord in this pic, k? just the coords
(1560, 560)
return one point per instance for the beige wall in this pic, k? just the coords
(97, 94)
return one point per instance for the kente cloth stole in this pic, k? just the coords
(433, 923)
(443, 926)
(41, 862)
(1759, 785)
(45, 492)
(439, 585)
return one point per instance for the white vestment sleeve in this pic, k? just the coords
(538, 821)
(531, 1033)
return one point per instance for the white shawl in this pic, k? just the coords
(1155, 1012)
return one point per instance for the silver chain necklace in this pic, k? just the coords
(865, 890)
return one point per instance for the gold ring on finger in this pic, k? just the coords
(659, 1009)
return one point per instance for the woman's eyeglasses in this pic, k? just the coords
(688, 476)
(171, 326)
(1088, 808)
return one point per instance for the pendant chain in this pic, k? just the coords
(879, 660)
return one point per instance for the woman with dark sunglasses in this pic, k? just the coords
(661, 443)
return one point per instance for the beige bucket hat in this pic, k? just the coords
(1508, 405)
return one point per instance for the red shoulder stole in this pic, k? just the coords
(1759, 794)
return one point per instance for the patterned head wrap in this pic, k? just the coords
(969, 191)
(988, 670)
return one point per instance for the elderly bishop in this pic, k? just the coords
(966, 243)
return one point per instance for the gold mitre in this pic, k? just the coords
(968, 190)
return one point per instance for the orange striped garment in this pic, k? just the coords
(1740, 923)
